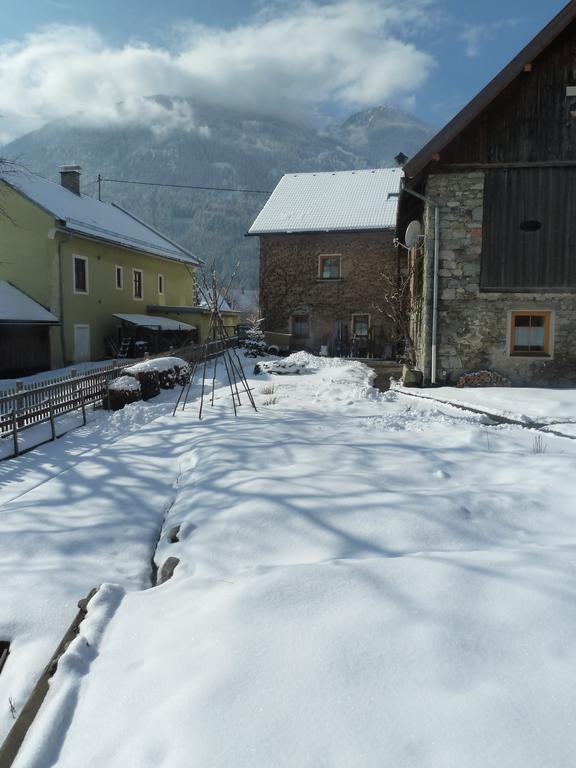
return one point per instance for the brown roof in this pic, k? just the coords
(494, 88)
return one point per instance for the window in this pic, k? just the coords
(329, 266)
(161, 285)
(300, 326)
(80, 274)
(360, 325)
(119, 278)
(138, 286)
(530, 333)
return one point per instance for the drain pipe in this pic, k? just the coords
(435, 293)
(65, 238)
(433, 350)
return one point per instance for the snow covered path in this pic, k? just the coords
(69, 522)
(552, 407)
(362, 581)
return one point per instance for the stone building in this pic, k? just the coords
(495, 192)
(326, 247)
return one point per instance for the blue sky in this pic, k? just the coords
(305, 56)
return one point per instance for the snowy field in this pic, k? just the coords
(529, 405)
(365, 580)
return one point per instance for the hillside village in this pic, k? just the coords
(327, 520)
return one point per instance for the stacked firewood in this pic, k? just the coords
(482, 379)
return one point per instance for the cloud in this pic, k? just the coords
(289, 58)
(474, 35)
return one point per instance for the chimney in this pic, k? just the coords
(70, 177)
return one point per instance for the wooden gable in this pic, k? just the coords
(532, 120)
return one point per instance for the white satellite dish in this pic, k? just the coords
(413, 234)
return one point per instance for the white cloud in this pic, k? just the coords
(289, 58)
(474, 35)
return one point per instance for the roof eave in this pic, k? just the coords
(494, 88)
(28, 322)
(341, 230)
(63, 227)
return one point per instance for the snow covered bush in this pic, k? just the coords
(147, 377)
(168, 370)
(280, 366)
(123, 391)
(255, 344)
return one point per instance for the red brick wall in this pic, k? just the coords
(290, 283)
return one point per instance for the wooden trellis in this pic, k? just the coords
(235, 375)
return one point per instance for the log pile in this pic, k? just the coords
(482, 379)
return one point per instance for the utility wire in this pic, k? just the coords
(188, 186)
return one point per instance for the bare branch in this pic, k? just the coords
(402, 303)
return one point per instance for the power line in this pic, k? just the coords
(187, 186)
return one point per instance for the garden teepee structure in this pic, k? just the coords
(217, 340)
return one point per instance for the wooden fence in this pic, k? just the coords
(28, 405)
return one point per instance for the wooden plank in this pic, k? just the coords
(516, 259)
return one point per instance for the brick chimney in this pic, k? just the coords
(70, 177)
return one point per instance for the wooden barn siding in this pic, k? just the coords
(530, 121)
(516, 260)
(24, 349)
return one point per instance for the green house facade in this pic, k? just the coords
(85, 263)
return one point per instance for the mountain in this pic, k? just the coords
(230, 149)
(380, 133)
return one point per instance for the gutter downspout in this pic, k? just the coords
(61, 241)
(434, 349)
(435, 293)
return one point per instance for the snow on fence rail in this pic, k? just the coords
(28, 405)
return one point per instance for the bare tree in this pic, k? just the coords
(402, 303)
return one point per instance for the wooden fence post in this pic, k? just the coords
(15, 431)
(51, 414)
(19, 403)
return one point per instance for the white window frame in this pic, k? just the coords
(552, 331)
(121, 273)
(160, 280)
(322, 256)
(361, 314)
(137, 298)
(85, 260)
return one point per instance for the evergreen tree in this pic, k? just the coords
(255, 344)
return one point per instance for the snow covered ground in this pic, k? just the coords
(364, 579)
(530, 405)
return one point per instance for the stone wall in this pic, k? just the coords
(290, 283)
(474, 326)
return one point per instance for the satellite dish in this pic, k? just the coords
(413, 234)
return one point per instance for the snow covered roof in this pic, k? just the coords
(156, 323)
(223, 305)
(17, 307)
(243, 299)
(328, 202)
(92, 218)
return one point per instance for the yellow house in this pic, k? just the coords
(78, 275)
